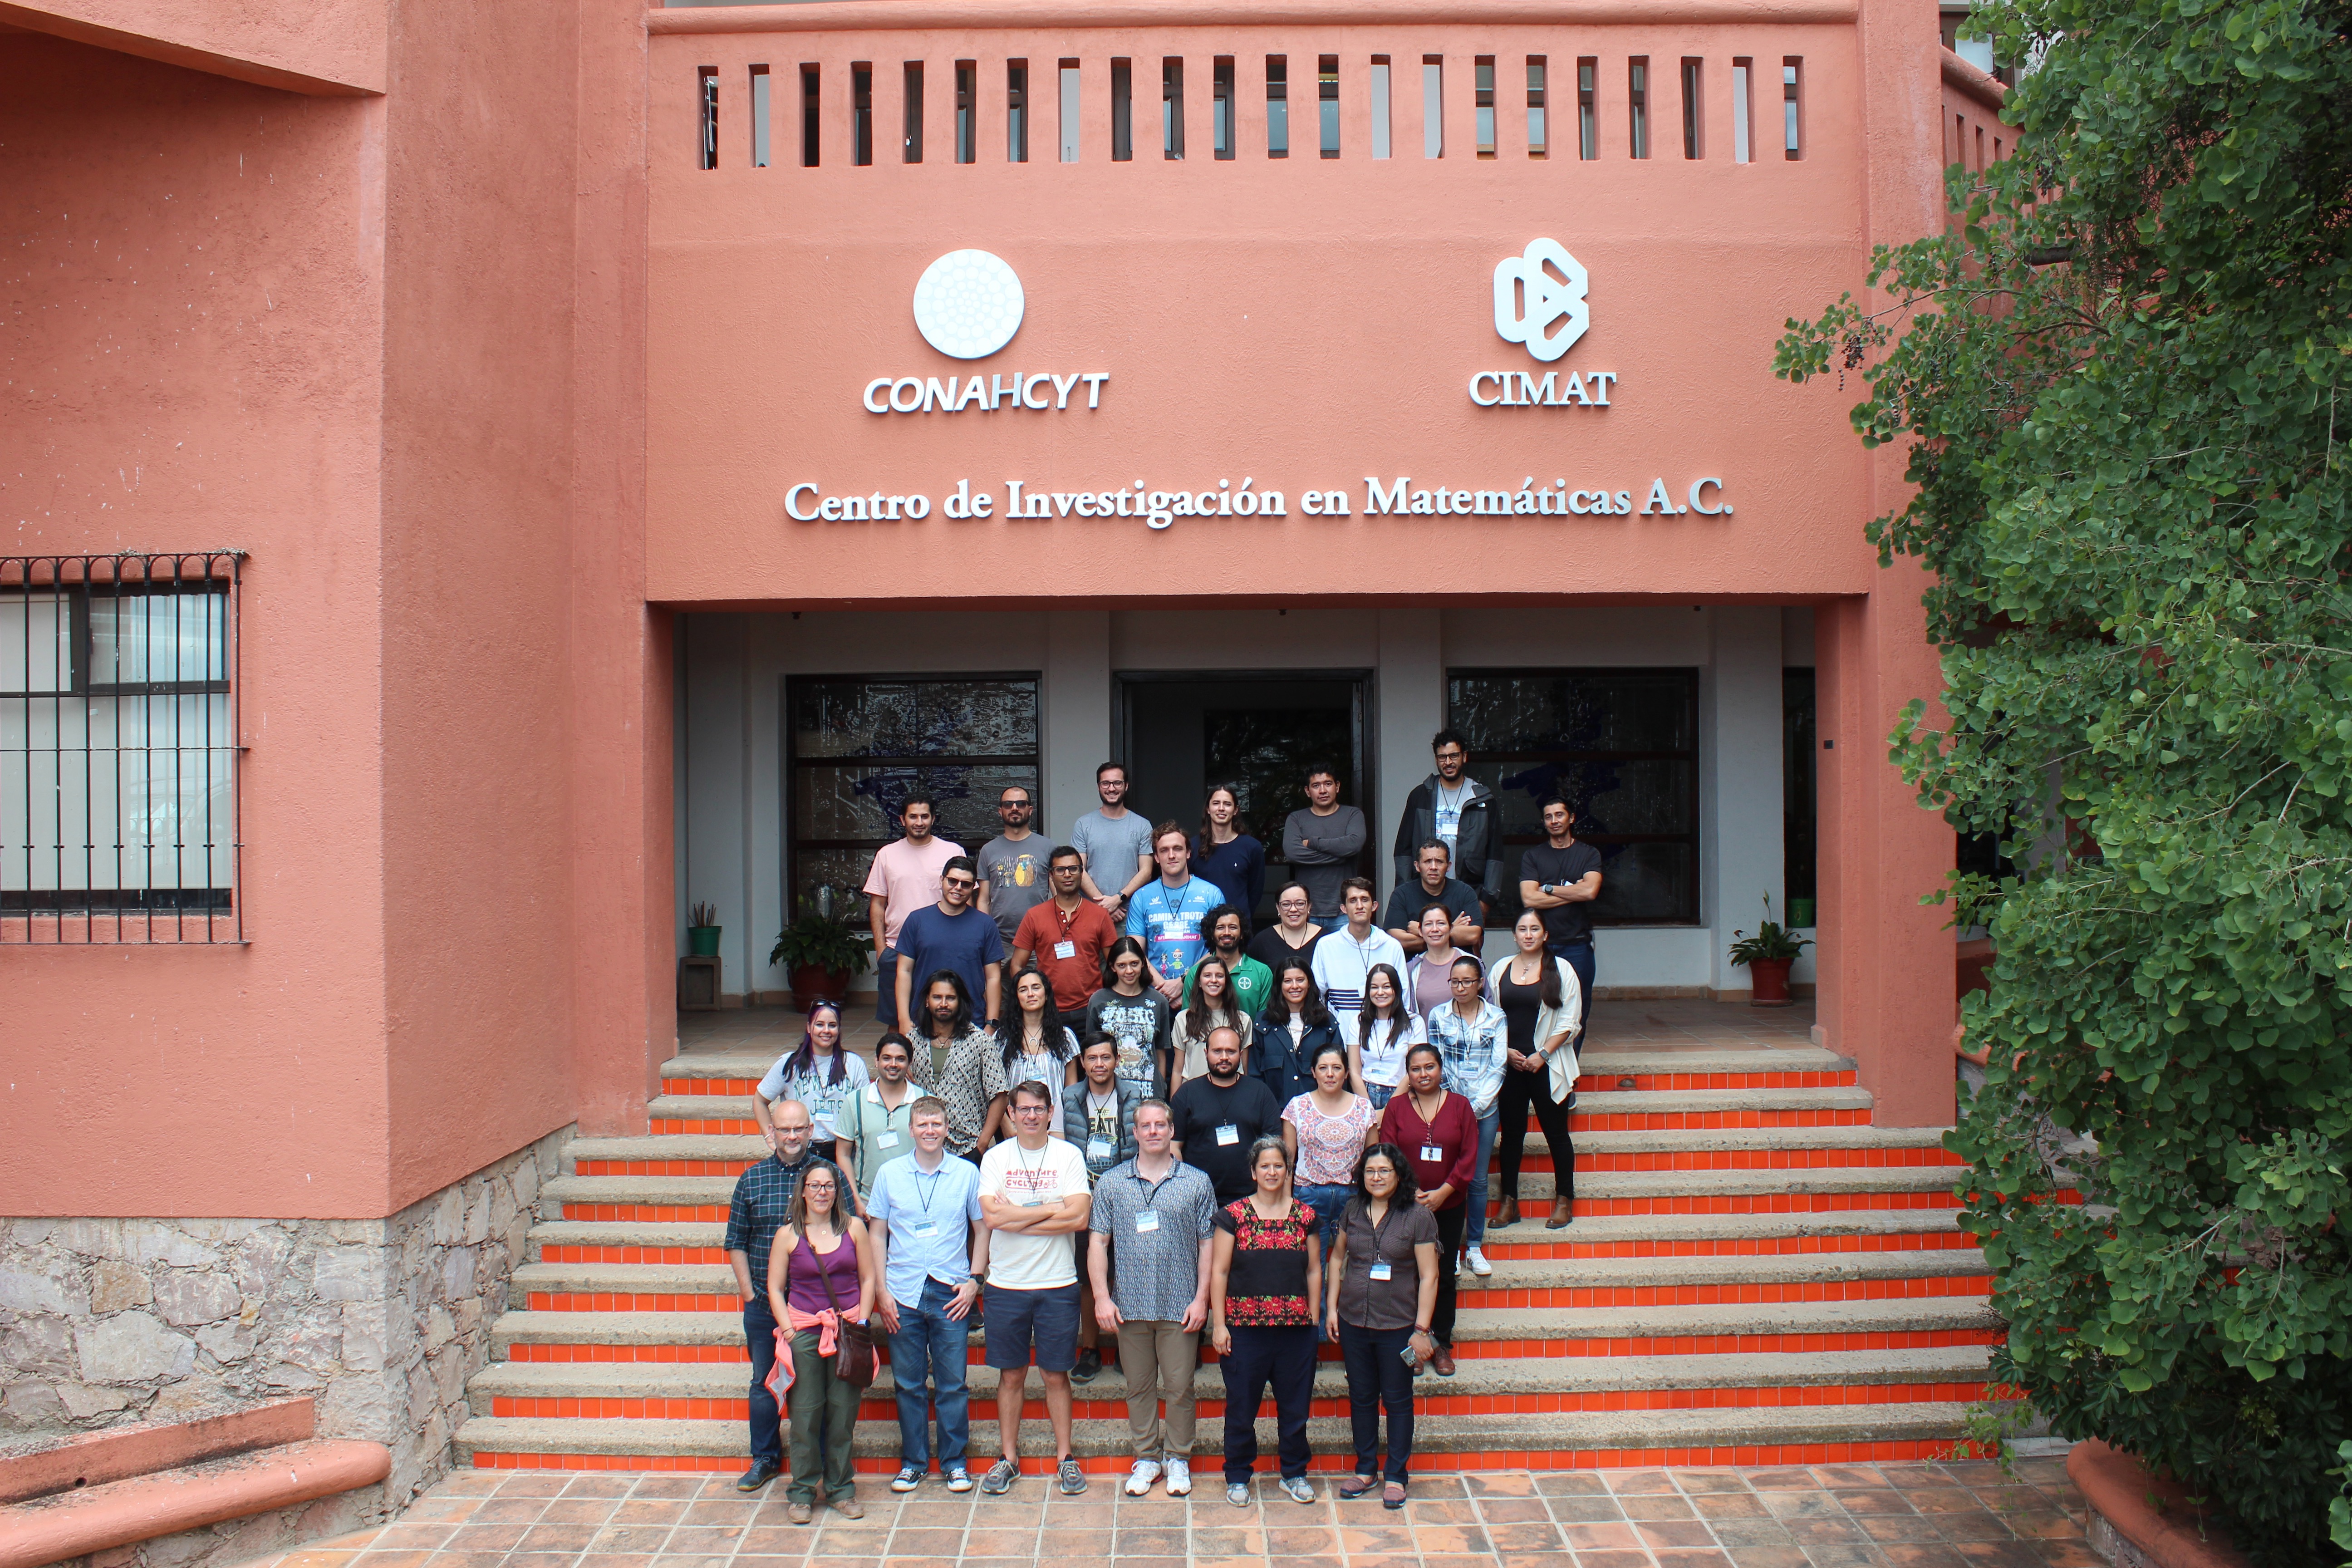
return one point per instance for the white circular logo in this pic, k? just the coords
(968, 304)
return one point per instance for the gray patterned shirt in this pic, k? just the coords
(1156, 1264)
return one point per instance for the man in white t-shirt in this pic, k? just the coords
(904, 877)
(1355, 948)
(1033, 1197)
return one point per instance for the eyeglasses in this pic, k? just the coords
(1458, 981)
(1030, 1110)
(959, 882)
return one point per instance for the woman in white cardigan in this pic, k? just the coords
(1540, 996)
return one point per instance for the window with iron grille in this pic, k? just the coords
(1622, 745)
(118, 749)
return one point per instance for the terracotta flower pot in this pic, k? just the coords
(1769, 980)
(813, 983)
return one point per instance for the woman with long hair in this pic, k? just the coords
(1293, 1025)
(1213, 1006)
(820, 1273)
(1439, 1135)
(1037, 1047)
(1266, 1274)
(1384, 1306)
(1326, 1130)
(1540, 998)
(1425, 988)
(820, 1074)
(1387, 1026)
(1228, 857)
(1130, 1010)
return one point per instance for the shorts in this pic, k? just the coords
(1013, 1321)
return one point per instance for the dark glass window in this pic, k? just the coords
(1799, 796)
(856, 746)
(1621, 744)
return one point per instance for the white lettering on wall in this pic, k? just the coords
(806, 501)
(1557, 389)
(929, 394)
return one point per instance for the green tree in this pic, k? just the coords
(2125, 378)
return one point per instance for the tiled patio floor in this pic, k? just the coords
(1955, 1515)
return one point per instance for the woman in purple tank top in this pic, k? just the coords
(821, 1271)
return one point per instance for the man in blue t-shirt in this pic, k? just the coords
(951, 934)
(1166, 912)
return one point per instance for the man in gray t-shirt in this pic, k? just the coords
(1013, 865)
(1322, 841)
(1116, 843)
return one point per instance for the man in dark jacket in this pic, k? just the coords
(1459, 810)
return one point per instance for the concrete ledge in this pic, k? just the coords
(94, 1459)
(74, 1523)
(2128, 1530)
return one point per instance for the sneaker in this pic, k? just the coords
(1140, 1479)
(1477, 1258)
(906, 1479)
(999, 1477)
(758, 1475)
(959, 1479)
(1298, 1489)
(1237, 1493)
(1089, 1367)
(1180, 1478)
(848, 1507)
(1073, 1479)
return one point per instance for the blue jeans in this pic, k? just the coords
(1579, 955)
(767, 1420)
(1328, 1203)
(885, 989)
(1379, 1094)
(1284, 1358)
(1488, 1125)
(930, 1344)
(1377, 1378)
(1329, 922)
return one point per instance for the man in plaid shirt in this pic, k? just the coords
(762, 1204)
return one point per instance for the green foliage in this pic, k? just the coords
(826, 940)
(2125, 380)
(2339, 1511)
(1771, 940)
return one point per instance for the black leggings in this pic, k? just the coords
(1523, 1092)
(1449, 1242)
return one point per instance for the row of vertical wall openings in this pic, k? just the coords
(1225, 110)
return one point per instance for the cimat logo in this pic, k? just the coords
(1539, 299)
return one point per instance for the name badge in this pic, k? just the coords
(1228, 1133)
(924, 1229)
(1147, 1220)
(1380, 1270)
(1065, 950)
(1098, 1149)
(1032, 1200)
(1432, 1153)
(885, 1141)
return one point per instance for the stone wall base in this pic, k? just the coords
(243, 1539)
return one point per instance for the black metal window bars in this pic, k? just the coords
(118, 749)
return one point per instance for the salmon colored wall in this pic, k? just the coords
(193, 275)
(335, 47)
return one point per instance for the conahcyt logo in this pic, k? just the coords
(1533, 306)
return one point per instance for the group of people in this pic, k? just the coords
(1104, 1109)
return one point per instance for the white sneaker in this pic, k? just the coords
(1140, 1479)
(1477, 1261)
(1180, 1478)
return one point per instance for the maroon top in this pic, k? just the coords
(804, 1287)
(1454, 1131)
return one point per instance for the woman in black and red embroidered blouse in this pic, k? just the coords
(1263, 1285)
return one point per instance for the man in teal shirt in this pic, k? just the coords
(1166, 912)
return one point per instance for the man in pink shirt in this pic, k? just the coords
(904, 877)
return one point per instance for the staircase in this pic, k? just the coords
(1755, 1276)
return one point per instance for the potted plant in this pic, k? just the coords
(1768, 956)
(702, 932)
(821, 953)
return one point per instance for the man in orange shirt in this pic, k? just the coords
(1066, 935)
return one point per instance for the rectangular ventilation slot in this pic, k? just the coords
(706, 97)
(1070, 108)
(914, 77)
(1326, 104)
(1693, 143)
(967, 126)
(861, 112)
(1016, 111)
(1483, 83)
(1379, 77)
(1277, 105)
(1122, 112)
(1538, 131)
(1221, 106)
(1792, 130)
(808, 117)
(761, 104)
(1171, 107)
(1432, 106)
(1587, 108)
(1742, 117)
(1637, 104)
(1980, 157)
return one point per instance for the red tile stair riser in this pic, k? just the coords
(1913, 1241)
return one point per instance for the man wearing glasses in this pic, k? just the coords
(1459, 812)
(953, 935)
(1013, 865)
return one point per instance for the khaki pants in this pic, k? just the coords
(1157, 1360)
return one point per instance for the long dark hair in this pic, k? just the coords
(1240, 822)
(1278, 1011)
(1547, 987)
(922, 1000)
(1360, 1201)
(1009, 1028)
(1403, 1008)
(1133, 945)
(804, 1059)
(1197, 1021)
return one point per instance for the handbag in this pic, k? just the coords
(854, 1343)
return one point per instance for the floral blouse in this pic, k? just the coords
(1267, 1287)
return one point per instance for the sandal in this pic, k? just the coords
(1359, 1486)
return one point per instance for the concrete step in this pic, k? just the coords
(1768, 1436)
(701, 1391)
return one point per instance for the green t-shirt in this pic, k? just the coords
(1253, 985)
(883, 1134)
